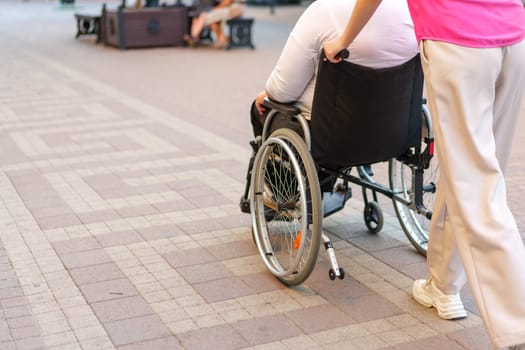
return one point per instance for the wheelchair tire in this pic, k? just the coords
(286, 208)
(415, 224)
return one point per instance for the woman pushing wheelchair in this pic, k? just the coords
(472, 56)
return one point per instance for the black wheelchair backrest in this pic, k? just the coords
(362, 115)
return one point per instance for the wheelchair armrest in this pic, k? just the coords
(285, 108)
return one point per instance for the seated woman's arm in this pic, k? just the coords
(296, 66)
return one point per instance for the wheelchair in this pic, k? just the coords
(300, 174)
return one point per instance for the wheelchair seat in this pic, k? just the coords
(362, 115)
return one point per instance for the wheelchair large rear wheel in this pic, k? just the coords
(414, 222)
(286, 207)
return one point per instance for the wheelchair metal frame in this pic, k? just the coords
(418, 161)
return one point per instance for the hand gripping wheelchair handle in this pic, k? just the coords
(343, 54)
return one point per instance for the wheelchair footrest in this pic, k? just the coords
(335, 201)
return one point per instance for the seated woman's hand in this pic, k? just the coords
(259, 102)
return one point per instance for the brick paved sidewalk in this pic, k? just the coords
(119, 218)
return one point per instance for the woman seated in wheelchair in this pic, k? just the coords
(388, 40)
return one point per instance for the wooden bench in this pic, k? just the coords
(240, 30)
(145, 27)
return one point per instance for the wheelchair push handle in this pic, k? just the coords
(343, 54)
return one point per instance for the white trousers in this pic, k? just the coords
(223, 13)
(475, 97)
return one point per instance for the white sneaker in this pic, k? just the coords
(448, 306)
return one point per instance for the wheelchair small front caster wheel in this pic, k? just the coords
(331, 274)
(341, 273)
(373, 216)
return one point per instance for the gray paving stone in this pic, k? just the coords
(415, 271)
(189, 257)
(266, 329)
(22, 321)
(119, 309)
(8, 283)
(185, 184)
(58, 209)
(137, 211)
(25, 332)
(235, 221)
(431, 343)
(75, 245)
(10, 292)
(134, 330)
(118, 238)
(175, 205)
(96, 273)
(57, 221)
(399, 256)
(13, 302)
(472, 338)
(222, 337)
(223, 289)
(5, 334)
(368, 308)
(206, 201)
(262, 282)
(168, 343)
(319, 318)
(204, 272)
(233, 249)
(375, 242)
(158, 232)
(85, 258)
(102, 182)
(197, 191)
(97, 216)
(107, 290)
(32, 343)
(8, 274)
(152, 188)
(336, 291)
(7, 345)
(17, 311)
(200, 226)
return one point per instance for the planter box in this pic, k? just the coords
(145, 27)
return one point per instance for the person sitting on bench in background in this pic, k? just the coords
(214, 18)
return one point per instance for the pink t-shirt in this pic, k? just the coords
(472, 23)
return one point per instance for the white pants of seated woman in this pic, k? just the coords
(223, 13)
(475, 97)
